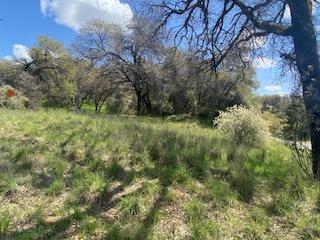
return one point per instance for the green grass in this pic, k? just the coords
(5, 220)
(77, 176)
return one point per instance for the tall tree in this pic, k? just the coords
(220, 26)
(130, 52)
(50, 65)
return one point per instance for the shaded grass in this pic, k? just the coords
(118, 177)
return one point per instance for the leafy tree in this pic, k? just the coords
(12, 74)
(296, 128)
(194, 88)
(129, 54)
(217, 27)
(275, 104)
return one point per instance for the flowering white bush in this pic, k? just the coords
(243, 126)
(11, 98)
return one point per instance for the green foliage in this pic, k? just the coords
(8, 183)
(114, 170)
(195, 210)
(201, 228)
(127, 232)
(182, 175)
(244, 182)
(57, 167)
(243, 127)
(207, 229)
(145, 178)
(259, 217)
(281, 204)
(219, 191)
(131, 206)
(5, 220)
(88, 185)
(89, 226)
(39, 214)
(310, 227)
(55, 188)
(17, 101)
(296, 122)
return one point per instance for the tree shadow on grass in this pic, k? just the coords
(59, 229)
(167, 150)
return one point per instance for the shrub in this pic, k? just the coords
(243, 126)
(12, 98)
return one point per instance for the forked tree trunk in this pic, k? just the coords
(307, 58)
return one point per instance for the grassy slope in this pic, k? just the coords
(80, 177)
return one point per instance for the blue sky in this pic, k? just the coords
(24, 20)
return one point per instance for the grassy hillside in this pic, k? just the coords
(84, 177)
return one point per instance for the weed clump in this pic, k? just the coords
(219, 191)
(131, 206)
(281, 204)
(245, 183)
(8, 184)
(88, 185)
(5, 220)
(205, 230)
(56, 188)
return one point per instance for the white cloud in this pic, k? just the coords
(8, 58)
(274, 90)
(21, 52)
(75, 13)
(264, 63)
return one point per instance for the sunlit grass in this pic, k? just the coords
(67, 175)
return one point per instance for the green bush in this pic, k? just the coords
(17, 101)
(243, 126)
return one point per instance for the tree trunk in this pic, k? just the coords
(139, 103)
(305, 43)
(78, 101)
(147, 103)
(96, 107)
